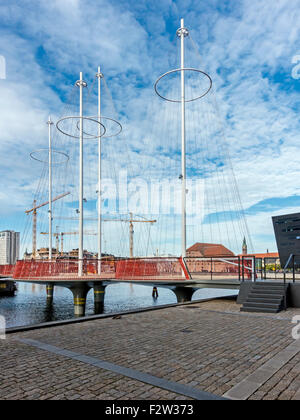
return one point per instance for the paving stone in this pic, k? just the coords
(223, 349)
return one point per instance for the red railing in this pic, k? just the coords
(131, 268)
(164, 268)
(39, 269)
(6, 270)
(239, 268)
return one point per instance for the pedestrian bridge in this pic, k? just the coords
(182, 275)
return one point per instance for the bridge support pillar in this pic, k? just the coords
(80, 292)
(183, 294)
(99, 294)
(50, 292)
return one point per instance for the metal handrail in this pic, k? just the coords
(284, 278)
(231, 260)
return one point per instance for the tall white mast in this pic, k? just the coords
(99, 75)
(49, 122)
(182, 33)
(81, 84)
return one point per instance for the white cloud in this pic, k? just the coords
(243, 47)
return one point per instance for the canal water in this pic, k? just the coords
(28, 306)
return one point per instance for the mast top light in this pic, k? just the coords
(81, 83)
(182, 31)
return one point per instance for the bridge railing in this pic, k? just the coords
(27, 269)
(120, 268)
(164, 268)
(168, 268)
(272, 270)
(6, 270)
(216, 268)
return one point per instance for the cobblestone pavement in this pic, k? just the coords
(229, 306)
(208, 346)
(30, 373)
(284, 385)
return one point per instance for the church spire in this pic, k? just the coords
(244, 249)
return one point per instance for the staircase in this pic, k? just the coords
(265, 297)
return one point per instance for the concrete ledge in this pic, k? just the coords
(245, 288)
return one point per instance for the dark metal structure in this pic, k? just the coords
(287, 233)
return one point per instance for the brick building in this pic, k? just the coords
(209, 258)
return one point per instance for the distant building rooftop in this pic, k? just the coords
(209, 250)
(262, 255)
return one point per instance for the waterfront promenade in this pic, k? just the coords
(177, 352)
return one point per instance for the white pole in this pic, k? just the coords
(49, 122)
(80, 251)
(99, 75)
(183, 32)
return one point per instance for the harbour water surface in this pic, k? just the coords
(29, 307)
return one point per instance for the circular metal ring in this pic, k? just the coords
(65, 156)
(185, 69)
(120, 128)
(84, 118)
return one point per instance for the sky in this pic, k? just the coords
(249, 48)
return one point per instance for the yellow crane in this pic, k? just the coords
(34, 218)
(61, 235)
(131, 221)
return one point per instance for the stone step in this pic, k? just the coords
(267, 292)
(268, 283)
(268, 288)
(259, 309)
(264, 299)
(265, 295)
(262, 305)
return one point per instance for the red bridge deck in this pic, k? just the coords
(123, 269)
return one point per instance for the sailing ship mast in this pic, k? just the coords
(81, 135)
(81, 84)
(99, 76)
(182, 32)
(50, 123)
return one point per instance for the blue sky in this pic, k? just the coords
(247, 46)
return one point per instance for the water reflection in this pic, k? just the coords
(29, 305)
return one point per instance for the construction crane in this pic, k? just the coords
(34, 218)
(61, 235)
(131, 221)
